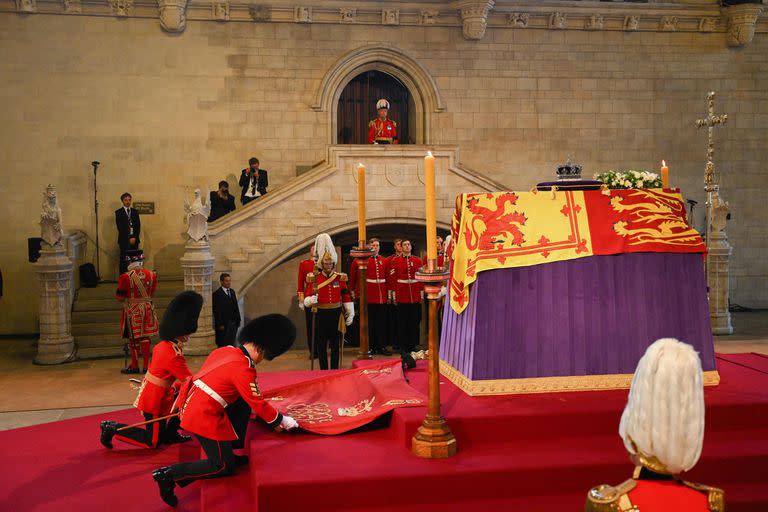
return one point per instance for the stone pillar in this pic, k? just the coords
(54, 273)
(197, 264)
(718, 261)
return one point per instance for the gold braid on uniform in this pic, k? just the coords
(715, 496)
(609, 498)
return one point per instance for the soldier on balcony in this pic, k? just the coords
(382, 130)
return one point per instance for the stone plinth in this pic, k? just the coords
(718, 264)
(197, 264)
(54, 272)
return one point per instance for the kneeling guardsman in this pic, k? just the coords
(216, 403)
(160, 384)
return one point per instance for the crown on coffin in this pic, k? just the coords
(569, 171)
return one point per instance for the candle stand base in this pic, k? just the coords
(433, 439)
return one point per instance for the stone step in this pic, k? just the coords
(110, 349)
(303, 222)
(112, 304)
(165, 288)
(269, 240)
(243, 258)
(104, 328)
(255, 249)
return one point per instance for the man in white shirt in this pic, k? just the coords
(253, 181)
(128, 229)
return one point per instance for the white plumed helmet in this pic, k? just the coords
(663, 422)
(382, 103)
(324, 249)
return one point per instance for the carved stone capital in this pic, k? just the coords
(558, 20)
(72, 6)
(518, 19)
(668, 23)
(29, 6)
(121, 8)
(220, 11)
(740, 20)
(631, 22)
(390, 17)
(594, 22)
(348, 15)
(173, 15)
(474, 17)
(302, 14)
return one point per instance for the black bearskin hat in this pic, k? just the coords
(273, 333)
(180, 319)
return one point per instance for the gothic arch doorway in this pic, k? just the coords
(357, 106)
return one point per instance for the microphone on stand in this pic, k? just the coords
(95, 165)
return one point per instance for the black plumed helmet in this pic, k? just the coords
(273, 333)
(180, 319)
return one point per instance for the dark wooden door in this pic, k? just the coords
(357, 106)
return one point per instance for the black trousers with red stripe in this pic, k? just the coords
(221, 458)
(151, 434)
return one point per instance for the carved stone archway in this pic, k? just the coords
(390, 60)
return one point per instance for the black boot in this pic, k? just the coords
(166, 485)
(241, 460)
(174, 437)
(108, 431)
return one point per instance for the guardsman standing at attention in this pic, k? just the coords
(663, 430)
(328, 296)
(382, 130)
(306, 267)
(376, 297)
(160, 385)
(138, 321)
(216, 404)
(406, 293)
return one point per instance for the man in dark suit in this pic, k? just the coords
(221, 202)
(226, 313)
(253, 181)
(128, 229)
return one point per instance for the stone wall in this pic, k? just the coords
(165, 113)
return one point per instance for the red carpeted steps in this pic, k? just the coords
(514, 451)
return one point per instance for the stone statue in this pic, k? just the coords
(197, 217)
(50, 218)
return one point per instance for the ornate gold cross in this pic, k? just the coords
(710, 121)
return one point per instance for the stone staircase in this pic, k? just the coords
(251, 241)
(96, 317)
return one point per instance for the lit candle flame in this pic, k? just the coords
(663, 163)
(429, 153)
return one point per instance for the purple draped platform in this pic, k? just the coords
(588, 316)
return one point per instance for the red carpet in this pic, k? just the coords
(524, 452)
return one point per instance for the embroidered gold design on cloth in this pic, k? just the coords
(358, 409)
(379, 371)
(310, 413)
(402, 402)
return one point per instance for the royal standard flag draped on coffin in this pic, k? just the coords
(518, 229)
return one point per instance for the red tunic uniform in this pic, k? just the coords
(305, 267)
(135, 289)
(403, 279)
(331, 289)
(227, 374)
(383, 132)
(376, 279)
(666, 495)
(167, 365)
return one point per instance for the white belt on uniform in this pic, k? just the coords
(376, 281)
(407, 281)
(210, 392)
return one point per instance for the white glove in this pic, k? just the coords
(443, 292)
(310, 301)
(349, 313)
(301, 305)
(288, 423)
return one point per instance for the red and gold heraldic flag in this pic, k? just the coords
(342, 401)
(518, 229)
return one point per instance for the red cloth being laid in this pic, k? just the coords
(342, 401)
